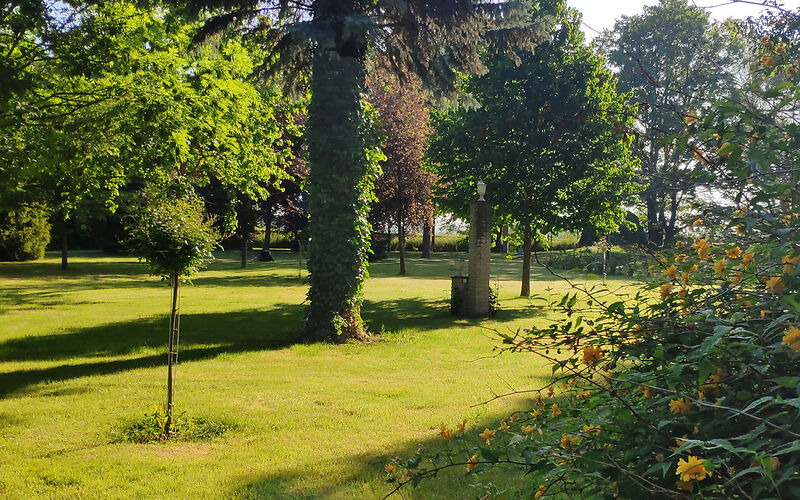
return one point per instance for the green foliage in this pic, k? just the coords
(172, 234)
(149, 428)
(691, 384)
(669, 57)
(24, 233)
(550, 138)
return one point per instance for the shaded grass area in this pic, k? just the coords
(82, 351)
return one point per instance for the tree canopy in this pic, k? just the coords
(550, 137)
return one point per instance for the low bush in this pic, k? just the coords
(149, 428)
(24, 233)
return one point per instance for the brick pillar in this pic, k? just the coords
(480, 244)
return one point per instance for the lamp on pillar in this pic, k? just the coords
(481, 190)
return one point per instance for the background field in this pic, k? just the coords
(83, 350)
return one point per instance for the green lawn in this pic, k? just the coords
(83, 350)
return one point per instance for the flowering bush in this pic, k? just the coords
(691, 385)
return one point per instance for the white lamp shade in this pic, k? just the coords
(481, 190)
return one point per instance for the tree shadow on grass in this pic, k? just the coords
(203, 336)
(369, 468)
(429, 314)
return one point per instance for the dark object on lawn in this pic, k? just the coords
(265, 256)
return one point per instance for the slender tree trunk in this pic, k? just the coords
(401, 242)
(433, 234)
(63, 231)
(245, 242)
(526, 262)
(498, 240)
(426, 240)
(338, 171)
(653, 229)
(267, 228)
(505, 238)
(172, 353)
(669, 233)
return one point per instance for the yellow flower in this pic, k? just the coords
(703, 247)
(665, 289)
(591, 355)
(488, 435)
(671, 270)
(747, 258)
(529, 429)
(648, 391)
(536, 413)
(685, 277)
(691, 117)
(765, 312)
(390, 468)
(503, 426)
(737, 277)
(514, 417)
(592, 429)
(788, 263)
(717, 136)
(792, 338)
(567, 440)
(541, 491)
(775, 284)
(555, 411)
(680, 406)
(462, 426)
(682, 293)
(693, 468)
(472, 463)
(651, 268)
(768, 61)
(445, 432)
(780, 49)
(734, 253)
(697, 223)
(740, 230)
(719, 268)
(679, 244)
(680, 257)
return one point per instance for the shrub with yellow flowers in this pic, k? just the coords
(690, 385)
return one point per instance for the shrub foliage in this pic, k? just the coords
(24, 233)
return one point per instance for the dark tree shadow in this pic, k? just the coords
(232, 332)
(370, 467)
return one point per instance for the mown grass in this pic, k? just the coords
(82, 352)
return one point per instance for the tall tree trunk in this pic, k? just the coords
(63, 233)
(426, 240)
(669, 231)
(338, 172)
(433, 234)
(505, 239)
(245, 242)
(172, 354)
(498, 239)
(653, 229)
(527, 241)
(267, 228)
(401, 242)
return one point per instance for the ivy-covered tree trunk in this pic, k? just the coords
(339, 187)
(527, 241)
